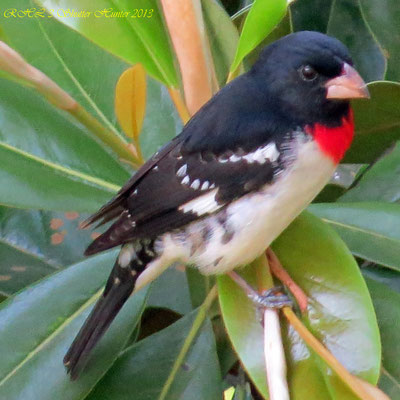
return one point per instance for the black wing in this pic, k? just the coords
(217, 158)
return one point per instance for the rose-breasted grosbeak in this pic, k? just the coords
(242, 169)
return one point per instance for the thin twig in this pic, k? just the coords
(275, 361)
(274, 356)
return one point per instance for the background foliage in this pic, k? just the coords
(171, 340)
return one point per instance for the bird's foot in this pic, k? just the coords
(279, 272)
(272, 298)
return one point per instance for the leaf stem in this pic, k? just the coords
(120, 146)
(197, 323)
(13, 63)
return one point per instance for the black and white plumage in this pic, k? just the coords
(219, 193)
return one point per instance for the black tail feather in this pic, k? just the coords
(104, 312)
(119, 287)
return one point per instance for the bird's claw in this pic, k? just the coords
(272, 298)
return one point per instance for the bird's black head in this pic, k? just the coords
(310, 76)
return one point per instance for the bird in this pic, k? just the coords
(243, 167)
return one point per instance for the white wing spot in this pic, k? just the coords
(135, 192)
(262, 154)
(204, 204)
(155, 168)
(182, 171)
(185, 180)
(196, 184)
(234, 158)
(212, 186)
(205, 185)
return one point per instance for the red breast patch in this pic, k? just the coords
(334, 142)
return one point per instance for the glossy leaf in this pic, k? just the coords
(223, 37)
(170, 290)
(136, 37)
(262, 18)
(382, 17)
(48, 161)
(384, 286)
(143, 368)
(161, 122)
(18, 268)
(319, 262)
(381, 182)
(377, 122)
(130, 100)
(243, 326)
(40, 129)
(282, 29)
(38, 325)
(37, 243)
(348, 25)
(71, 60)
(370, 230)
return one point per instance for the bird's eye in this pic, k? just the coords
(308, 73)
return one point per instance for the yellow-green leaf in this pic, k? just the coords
(130, 100)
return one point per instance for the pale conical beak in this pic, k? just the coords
(349, 85)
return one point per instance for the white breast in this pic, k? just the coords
(256, 219)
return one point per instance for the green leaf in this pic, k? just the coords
(38, 325)
(382, 17)
(223, 37)
(262, 18)
(384, 286)
(370, 230)
(161, 122)
(144, 368)
(347, 24)
(36, 243)
(170, 290)
(87, 72)
(243, 326)
(381, 182)
(282, 29)
(340, 314)
(49, 161)
(19, 268)
(377, 122)
(134, 39)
